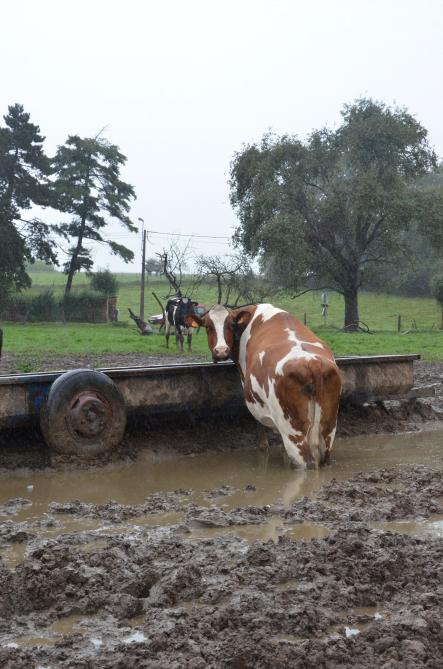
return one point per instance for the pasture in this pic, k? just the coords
(420, 331)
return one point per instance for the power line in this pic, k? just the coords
(181, 234)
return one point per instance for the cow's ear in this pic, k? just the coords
(242, 317)
(193, 321)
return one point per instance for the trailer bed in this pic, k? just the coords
(203, 388)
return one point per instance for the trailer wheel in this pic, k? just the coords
(84, 415)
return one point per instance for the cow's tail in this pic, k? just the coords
(314, 436)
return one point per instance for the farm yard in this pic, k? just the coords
(138, 559)
(37, 346)
(143, 561)
(269, 177)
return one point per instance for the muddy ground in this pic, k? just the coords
(344, 570)
(360, 596)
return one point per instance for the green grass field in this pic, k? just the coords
(420, 319)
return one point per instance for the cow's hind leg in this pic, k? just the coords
(179, 339)
(263, 443)
(331, 401)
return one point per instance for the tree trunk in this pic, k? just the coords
(72, 266)
(73, 262)
(70, 274)
(351, 309)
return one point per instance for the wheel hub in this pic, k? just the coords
(89, 414)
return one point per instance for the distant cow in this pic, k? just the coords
(177, 309)
(290, 380)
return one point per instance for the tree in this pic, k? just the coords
(154, 266)
(173, 264)
(437, 291)
(88, 186)
(104, 282)
(24, 182)
(233, 276)
(323, 211)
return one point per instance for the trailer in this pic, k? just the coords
(84, 411)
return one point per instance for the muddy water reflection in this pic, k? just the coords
(266, 531)
(429, 527)
(254, 479)
(270, 474)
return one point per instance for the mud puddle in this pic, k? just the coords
(269, 531)
(228, 560)
(246, 476)
(429, 527)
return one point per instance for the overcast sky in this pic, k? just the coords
(181, 85)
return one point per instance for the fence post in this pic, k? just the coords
(399, 323)
(305, 320)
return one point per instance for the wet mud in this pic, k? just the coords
(227, 559)
(191, 548)
(11, 363)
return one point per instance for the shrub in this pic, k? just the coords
(85, 307)
(31, 308)
(104, 282)
(437, 287)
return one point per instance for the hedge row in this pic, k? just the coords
(89, 307)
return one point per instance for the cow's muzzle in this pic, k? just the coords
(220, 353)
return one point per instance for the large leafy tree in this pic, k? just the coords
(322, 212)
(88, 186)
(24, 182)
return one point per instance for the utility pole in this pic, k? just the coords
(142, 279)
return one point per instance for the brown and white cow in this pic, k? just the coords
(290, 380)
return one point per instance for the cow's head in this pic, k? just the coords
(187, 306)
(223, 327)
(184, 304)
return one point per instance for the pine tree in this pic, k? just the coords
(89, 187)
(24, 171)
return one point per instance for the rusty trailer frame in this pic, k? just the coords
(203, 388)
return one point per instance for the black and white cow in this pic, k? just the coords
(177, 309)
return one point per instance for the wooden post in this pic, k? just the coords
(142, 280)
(305, 320)
(399, 323)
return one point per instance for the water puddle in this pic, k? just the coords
(136, 621)
(157, 519)
(428, 527)
(247, 478)
(29, 641)
(92, 546)
(50, 635)
(287, 586)
(257, 478)
(271, 530)
(13, 554)
(69, 624)
(135, 637)
(358, 620)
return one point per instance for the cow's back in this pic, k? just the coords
(291, 380)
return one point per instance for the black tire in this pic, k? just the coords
(84, 415)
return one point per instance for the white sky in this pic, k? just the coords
(182, 84)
